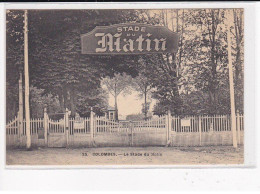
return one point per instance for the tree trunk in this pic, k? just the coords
(213, 71)
(72, 102)
(116, 109)
(65, 98)
(181, 44)
(61, 101)
(145, 102)
(177, 100)
(13, 112)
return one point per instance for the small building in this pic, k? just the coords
(111, 113)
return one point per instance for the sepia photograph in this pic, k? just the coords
(124, 87)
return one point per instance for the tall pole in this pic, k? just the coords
(92, 125)
(231, 83)
(26, 76)
(145, 108)
(20, 113)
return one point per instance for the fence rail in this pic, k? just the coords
(35, 125)
(12, 127)
(205, 123)
(83, 130)
(150, 124)
(103, 125)
(56, 126)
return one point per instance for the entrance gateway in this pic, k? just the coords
(118, 39)
(151, 132)
(99, 131)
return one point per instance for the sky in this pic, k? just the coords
(128, 104)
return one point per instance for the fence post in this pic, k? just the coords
(92, 125)
(200, 129)
(45, 125)
(131, 128)
(67, 126)
(238, 127)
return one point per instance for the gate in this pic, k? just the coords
(111, 133)
(152, 132)
(56, 133)
(102, 132)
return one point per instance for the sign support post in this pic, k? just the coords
(26, 76)
(231, 84)
(20, 113)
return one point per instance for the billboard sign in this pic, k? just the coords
(131, 38)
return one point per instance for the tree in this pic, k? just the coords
(142, 84)
(145, 108)
(201, 64)
(65, 72)
(98, 99)
(68, 72)
(135, 117)
(55, 60)
(194, 80)
(166, 90)
(206, 64)
(14, 60)
(116, 85)
(238, 34)
(39, 101)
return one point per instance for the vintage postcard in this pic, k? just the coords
(125, 87)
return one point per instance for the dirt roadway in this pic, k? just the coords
(127, 156)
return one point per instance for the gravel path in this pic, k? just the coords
(127, 156)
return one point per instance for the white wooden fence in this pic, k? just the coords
(206, 123)
(12, 127)
(84, 130)
(16, 137)
(187, 131)
(56, 126)
(35, 125)
(150, 124)
(205, 130)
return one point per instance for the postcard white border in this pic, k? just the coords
(194, 172)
